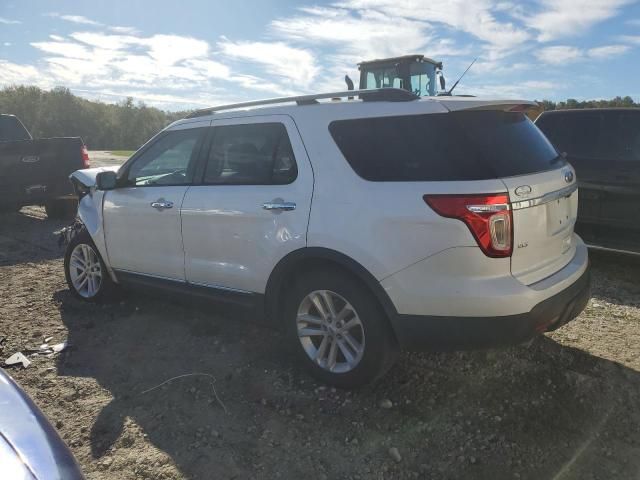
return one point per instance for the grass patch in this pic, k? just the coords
(122, 153)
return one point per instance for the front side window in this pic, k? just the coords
(253, 154)
(169, 161)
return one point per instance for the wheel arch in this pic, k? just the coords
(311, 257)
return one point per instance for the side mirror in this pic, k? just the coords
(442, 82)
(106, 180)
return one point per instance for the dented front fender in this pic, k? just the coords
(90, 214)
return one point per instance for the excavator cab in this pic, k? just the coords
(414, 73)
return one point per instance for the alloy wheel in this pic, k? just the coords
(330, 331)
(85, 270)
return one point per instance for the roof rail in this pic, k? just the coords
(369, 95)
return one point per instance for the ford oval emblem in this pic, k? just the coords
(568, 176)
(523, 190)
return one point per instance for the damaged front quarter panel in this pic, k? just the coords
(66, 234)
(89, 213)
(84, 181)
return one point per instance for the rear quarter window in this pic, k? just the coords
(475, 145)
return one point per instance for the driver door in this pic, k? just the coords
(142, 218)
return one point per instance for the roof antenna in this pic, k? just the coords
(448, 94)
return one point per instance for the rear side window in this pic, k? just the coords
(600, 135)
(475, 145)
(252, 154)
(12, 130)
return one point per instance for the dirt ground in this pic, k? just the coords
(565, 407)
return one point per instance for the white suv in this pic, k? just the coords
(360, 226)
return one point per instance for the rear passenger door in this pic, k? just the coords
(252, 207)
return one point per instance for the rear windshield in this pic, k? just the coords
(11, 129)
(594, 134)
(475, 145)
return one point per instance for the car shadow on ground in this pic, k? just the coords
(23, 238)
(543, 411)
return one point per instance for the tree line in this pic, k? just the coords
(544, 105)
(573, 103)
(58, 113)
(127, 125)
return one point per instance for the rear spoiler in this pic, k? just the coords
(454, 104)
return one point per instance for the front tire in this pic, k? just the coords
(338, 329)
(84, 270)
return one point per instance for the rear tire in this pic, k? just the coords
(58, 209)
(84, 270)
(338, 329)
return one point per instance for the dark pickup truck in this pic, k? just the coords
(603, 145)
(36, 172)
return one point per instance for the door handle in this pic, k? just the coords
(161, 204)
(279, 206)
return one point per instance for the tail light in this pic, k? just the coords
(85, 157)
(487, 216)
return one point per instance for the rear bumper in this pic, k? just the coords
(421, 332)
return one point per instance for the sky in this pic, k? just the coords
(184, 54)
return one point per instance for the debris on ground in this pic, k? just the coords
(49, 350)
(17, 359)
(59, 347)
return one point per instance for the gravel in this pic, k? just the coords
(567, 406)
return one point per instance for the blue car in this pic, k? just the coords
(30, 448)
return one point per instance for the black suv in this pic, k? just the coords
(603, 145)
